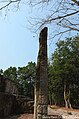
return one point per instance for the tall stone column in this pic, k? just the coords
(41, 87)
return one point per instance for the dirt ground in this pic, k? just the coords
(65, 113)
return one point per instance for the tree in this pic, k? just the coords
(55, 85)
(1, 72)
(11, 73)
(23, 77)
(26, 79)
(6, 4)
(64, 76)
(62, 14)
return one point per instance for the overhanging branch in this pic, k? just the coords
(63, 16)
(10, 2)
(75, 1)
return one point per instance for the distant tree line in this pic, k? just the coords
(63, 74)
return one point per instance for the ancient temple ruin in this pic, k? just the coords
(10, 101)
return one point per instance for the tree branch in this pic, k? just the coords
(60, 33)
(10, 2)
(64, 16)
(56, 18)
(72, 28)
(75, 1)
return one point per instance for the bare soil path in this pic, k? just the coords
(53, 110)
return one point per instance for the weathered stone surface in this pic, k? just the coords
(10, 101)
(25, 105)
(6, 104)
(12, 104)
(2, 84)
(8, 86)
(41, 84)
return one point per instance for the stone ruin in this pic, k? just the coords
(8, 86)
(10, 102)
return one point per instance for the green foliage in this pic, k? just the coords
(11, 73)
(64, 67)
(24, 78)
(1, 72)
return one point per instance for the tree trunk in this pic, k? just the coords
(67, 95)
(41, 86)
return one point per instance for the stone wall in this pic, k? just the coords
(8, 86)
(2, 84)
(10, 102)
(12, 105)
(6, 104)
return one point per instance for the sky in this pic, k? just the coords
(18, 45)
